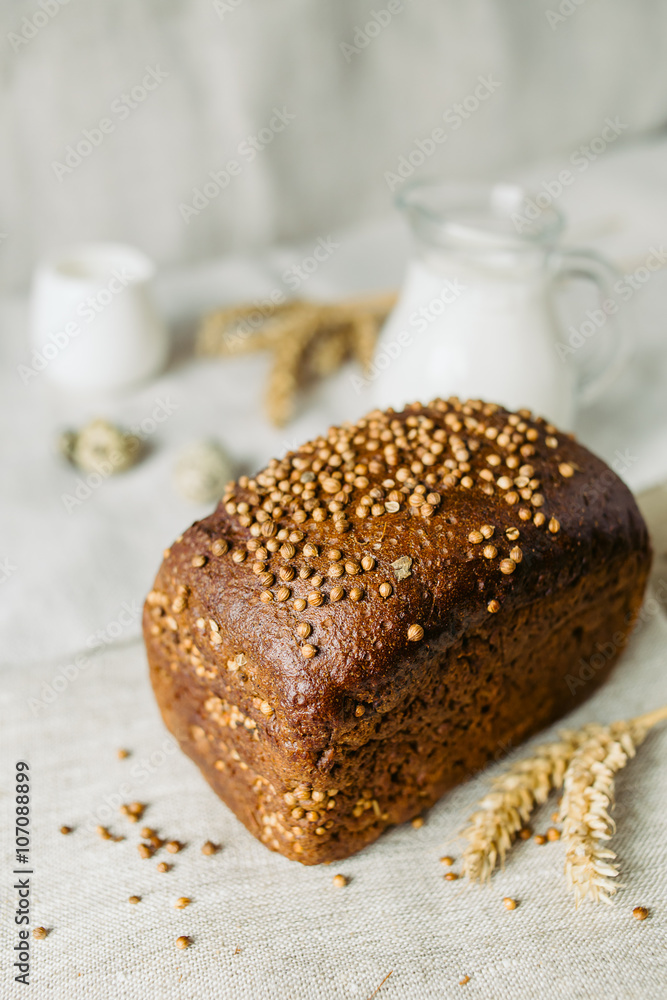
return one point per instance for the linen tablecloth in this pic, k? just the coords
(265, 927)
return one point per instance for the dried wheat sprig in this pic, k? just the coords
(503, 812)
(585, 761)
(588, 797)
(307, 340)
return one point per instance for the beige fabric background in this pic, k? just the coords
(264, 927)
(230, 62)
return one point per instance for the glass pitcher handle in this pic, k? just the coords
(589, 266)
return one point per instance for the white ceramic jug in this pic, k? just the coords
(94, 324)
(477, 316)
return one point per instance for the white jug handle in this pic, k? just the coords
(589, 266)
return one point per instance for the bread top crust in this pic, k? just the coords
(337, 568)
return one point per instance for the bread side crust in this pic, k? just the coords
(478, 699)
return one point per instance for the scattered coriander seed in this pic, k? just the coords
(304, 629)
(65, 829)
(415, 633)
(475, 537)
(164, 867)
(640, 912)
(198, 561)
(464, 981)
(155, 841)
(210, 848)
(360, 710)
(493, 607)
(145, 850)
(447, 860)
(490, 552)
(417, 822)
(356, 593)
(525, 833)
(103, 832)
(183, 942)
(554, 526)
(174, 846)
(450, 876)
(308, 651)
(147, 831)
(509, 903)
(40, 933)
(553, 833)
(507, 566)
(340, 881)
(122, 754)
(566, 470)
(134, 900)
(182, 902)
(336, 594)
(385, 589)
(539, 838)
(487, 531)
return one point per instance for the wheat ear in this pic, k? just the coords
(503, 812)
(588, 797)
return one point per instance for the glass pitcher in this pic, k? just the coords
(477, 315)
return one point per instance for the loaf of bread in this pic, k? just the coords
(375, 616)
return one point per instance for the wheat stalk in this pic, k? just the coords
(503, 812)
(585, 762)
(588, 798)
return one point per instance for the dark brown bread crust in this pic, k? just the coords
(482, 556)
